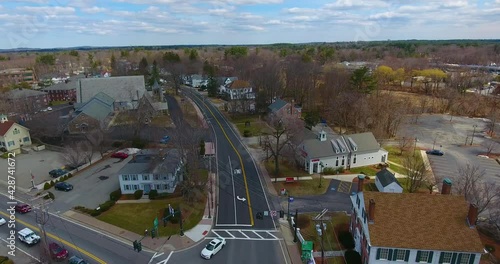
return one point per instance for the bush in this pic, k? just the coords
(341, 170)
(95, 213)
(247, 133)
(138, 194)
(153, 194)
(115, 195)
(52, 183)
(352, 257)
(3, 149)
(49, 196)
(138, 143)
(328, 171)
(69, 175)
(345, 238)
(117, 144)
(5, 155)
(106, 205)
(46, 186)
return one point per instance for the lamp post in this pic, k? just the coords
(415, 147)
(320, 174)
(473, 132)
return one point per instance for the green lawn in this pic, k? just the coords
(301, 188)
(368, 170)
(396, 156)
(139, 217)
(255, 125)
(329, 241)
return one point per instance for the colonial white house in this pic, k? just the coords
(414, 228)
(321, 150)
(152, 169)
(12, 135)
(239, 90)
(386, 182)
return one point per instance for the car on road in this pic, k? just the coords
(237, 171)
(213, 247)
(63, 186)
(57, 173)
(165, 139)
(119, 155)
(57, 252)
(49, 108)
(435, 152)
(27, 236)
(2, 221)
(22, 208)
(76, 260)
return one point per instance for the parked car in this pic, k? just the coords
(49, 108)
(165, 140)
(63, 186)
(57, 173)
(119, 155)
(2, 221)
(435, 152)
(27, 236)
(57, 252)
(22, 208)
(76, 260)
(213, 247)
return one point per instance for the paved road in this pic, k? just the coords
(92, 245)
(241, 195)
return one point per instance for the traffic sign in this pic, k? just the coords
(155, 223)
(273, 213)
(290, 199)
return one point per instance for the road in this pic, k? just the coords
(92, 245)
(241, 195)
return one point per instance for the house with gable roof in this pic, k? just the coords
(91, 115)
(414, 228)
(239, 89)
(12, 135)
(386, 182)
(282, 108)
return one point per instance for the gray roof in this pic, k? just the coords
(386, 177)
(315, 148)
(144, 162)
(121, 89)
(22, 93)
(277, 105)
(99, 107)
(71, 85)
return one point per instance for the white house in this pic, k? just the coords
(238, 90)
(414, 228)
(321, 150)
(12, 135)
(387, 182)
(152, 169)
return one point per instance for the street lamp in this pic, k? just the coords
(473, 132)
(320, 173)
(415, 148)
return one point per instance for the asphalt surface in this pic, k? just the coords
(92, 245)
(241, 195)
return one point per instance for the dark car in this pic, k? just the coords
(57, 173)
(22, 208)
(57, 251)
(119, 155)
(76, 260)
(435, 152)
(165, 140)
(63, 186)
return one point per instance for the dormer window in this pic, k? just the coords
(16, 131)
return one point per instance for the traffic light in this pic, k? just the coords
(136, 244)
(153, 233)
(139, 246)
(282, 214)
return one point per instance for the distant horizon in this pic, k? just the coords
(49, 24)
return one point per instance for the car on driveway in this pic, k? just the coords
(435, 152)
(57, 252)
(76, 260)
(119, 155)
(22, 208)
(63, 186)
(165, 140)
(213, 247)
(57, 173)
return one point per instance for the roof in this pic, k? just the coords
(277, 105)
(22, 93)
(5, 126)
(121, 89)
(421, 221)
(143, 162)
(386, 177)
(365, 141)
(238, 84)
(70, 85)
(99, 107)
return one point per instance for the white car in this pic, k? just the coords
(237, 171)
(27, 236)
(49, 108)
(2, 221)
(213, 247)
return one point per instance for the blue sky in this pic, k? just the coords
(69, 23)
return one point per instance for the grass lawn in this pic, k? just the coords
(396, 156)
(139, 217)
(286, 170)
(256, 126)
(398, 169)
(188, 111)
(301, 188)
(162, 120)
(330, 242)
(368, 170)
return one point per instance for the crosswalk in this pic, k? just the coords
(238, 234)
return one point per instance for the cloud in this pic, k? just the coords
(94, 9)
(48, 10)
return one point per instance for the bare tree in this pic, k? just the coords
(404, 143)
(471, 185)
(97, 138)
(490, 146)
(73, 155)
(415, 173)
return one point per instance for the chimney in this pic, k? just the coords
(446, 189)
(472, 215)
(371, 211)
(361, 182)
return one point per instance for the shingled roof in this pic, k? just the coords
(386, 177)
(239, 84)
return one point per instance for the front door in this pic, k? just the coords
(147, 188)
(315, 167)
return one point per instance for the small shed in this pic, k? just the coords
(209, 149)
(386, 182)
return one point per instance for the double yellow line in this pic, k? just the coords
(88, 254)
(241, 163)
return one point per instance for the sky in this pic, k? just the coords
(72, 23)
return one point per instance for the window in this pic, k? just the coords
(343, 160)
(158, 187)
(384, 253)
(136, 187)
(445, 257)
(464, 259)
(337, 162)
(16, 131)
(145, 177)
(354, 161)
(156, 177)
(133, 177)
(26, 139)
(127, 187)
(11, 143)
(125, 177)
(424, 256)
(400, 254)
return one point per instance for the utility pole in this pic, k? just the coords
(210, 186)
(320, 229)
(296, 224)
(42, 218)
(473, 134)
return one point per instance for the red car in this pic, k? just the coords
(119, 155)
(23, 208)
(57, 251)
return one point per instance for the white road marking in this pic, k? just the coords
(271, 234)
(234, 193)
(243, 234)
(257, 234)
(165, 260)
(229, 233)
(250, 239)
(17, 248)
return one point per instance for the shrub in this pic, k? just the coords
(106, 205)
(138, 143)
(46, 186)
(69, 175)
(3, 149)
(49, 196)
(115, 195)
(345, 238)
(117, 144)
(341, 170)
(247, 133)
(153, 194)
(138, 194)
(52, 183)
(352, 257)
(95, 213)
(5, 155)
(328, 171)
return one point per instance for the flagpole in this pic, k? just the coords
(32, 180)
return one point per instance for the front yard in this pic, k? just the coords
(252, 124)
(308, 230)
(301, 188)
(162, 120)
(367, 170)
